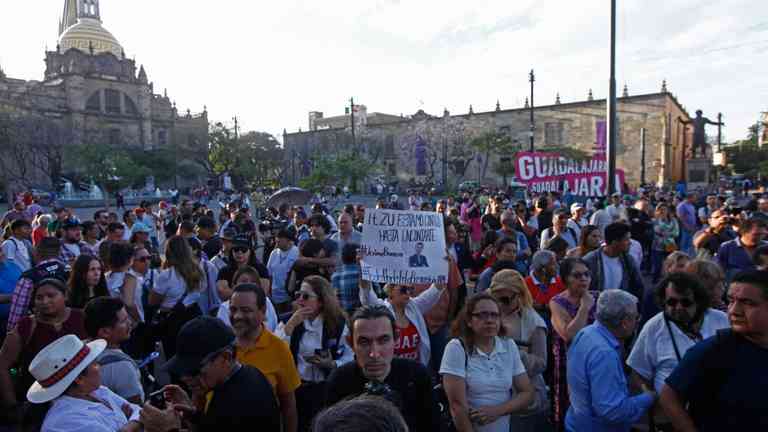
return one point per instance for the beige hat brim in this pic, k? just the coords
(38, 394)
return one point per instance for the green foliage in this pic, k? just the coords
(343, 168)
(110, 167)
(254, 157)
(745, 157)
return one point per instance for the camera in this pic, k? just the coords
(380, 389)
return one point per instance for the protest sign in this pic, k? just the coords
(403, 247)
(551, 172)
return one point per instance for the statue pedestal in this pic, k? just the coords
(698, 172)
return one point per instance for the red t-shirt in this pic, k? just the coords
(543, 296)
(407, 343)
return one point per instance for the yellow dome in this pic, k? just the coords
(87, 32)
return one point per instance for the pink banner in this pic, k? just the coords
(550, 172)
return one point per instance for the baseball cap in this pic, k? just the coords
(196, 340)
(206, 223)
(71, 223)
(229, 233)
(241, 240)
(576, 206)
(139, 227)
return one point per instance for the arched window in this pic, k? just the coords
(130, 107)
(94, 102)
(112, 98)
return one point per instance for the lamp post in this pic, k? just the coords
(611, 114)
(532, 79)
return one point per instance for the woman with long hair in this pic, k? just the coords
(483, 375)
(177, 290)
(665, 230)
(241, 255)
(525, 326)
(86, 281)
(316, 336)
(572, 310)
(209, 298)
(590, 239)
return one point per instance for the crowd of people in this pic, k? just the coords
(646, 311)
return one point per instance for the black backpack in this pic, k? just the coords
(442, 401)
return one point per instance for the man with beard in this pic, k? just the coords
(72, 242)
(685, 320)
(720, 383)
(227, 395)
(258, 348)
(375, 371)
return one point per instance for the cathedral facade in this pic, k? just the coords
(90, 86)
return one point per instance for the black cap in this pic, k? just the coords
(229, 233)
(241, 240)
(196, 340)
(71, 223)
(206, 223)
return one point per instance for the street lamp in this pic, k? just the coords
(532, 79)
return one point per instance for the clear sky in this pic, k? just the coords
(271, 62)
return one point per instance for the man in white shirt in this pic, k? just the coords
(18, 248)
(616, 209)
(577, 220)
(685, 320)
(601, 218)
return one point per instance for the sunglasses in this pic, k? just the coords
(507, 300)
(240, 249)
(673, 302)
(304, 295)
(143, 259)
(486, 315)
(405, 290)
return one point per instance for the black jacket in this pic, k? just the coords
(411, 391)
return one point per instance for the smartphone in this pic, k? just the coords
(157, 399)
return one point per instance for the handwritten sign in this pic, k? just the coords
(403, 247)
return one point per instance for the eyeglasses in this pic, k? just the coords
(304, 295)
(406, 290)
(240, 249)
(485, 316)
(581, 275)
(684, 302)
(507, 300)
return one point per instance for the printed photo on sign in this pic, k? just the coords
(405, 247)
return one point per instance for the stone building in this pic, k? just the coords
(428, 148)
(91, 87)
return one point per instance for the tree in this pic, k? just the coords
(341, 168)
(745, 157)
(254, 157)
(32, 145)
(491, 143)
(109, 167)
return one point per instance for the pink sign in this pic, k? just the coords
(550, 172)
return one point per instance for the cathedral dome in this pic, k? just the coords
(89, 32)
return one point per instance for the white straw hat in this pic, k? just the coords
(58, 364)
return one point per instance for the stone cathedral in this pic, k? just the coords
(91, 85)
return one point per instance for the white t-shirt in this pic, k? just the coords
(171, 285)
(489, 377)
(613, 272)
(636, 251)
(115, 281)
(653, 355)
(601, 219)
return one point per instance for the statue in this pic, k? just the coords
(699, 134)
